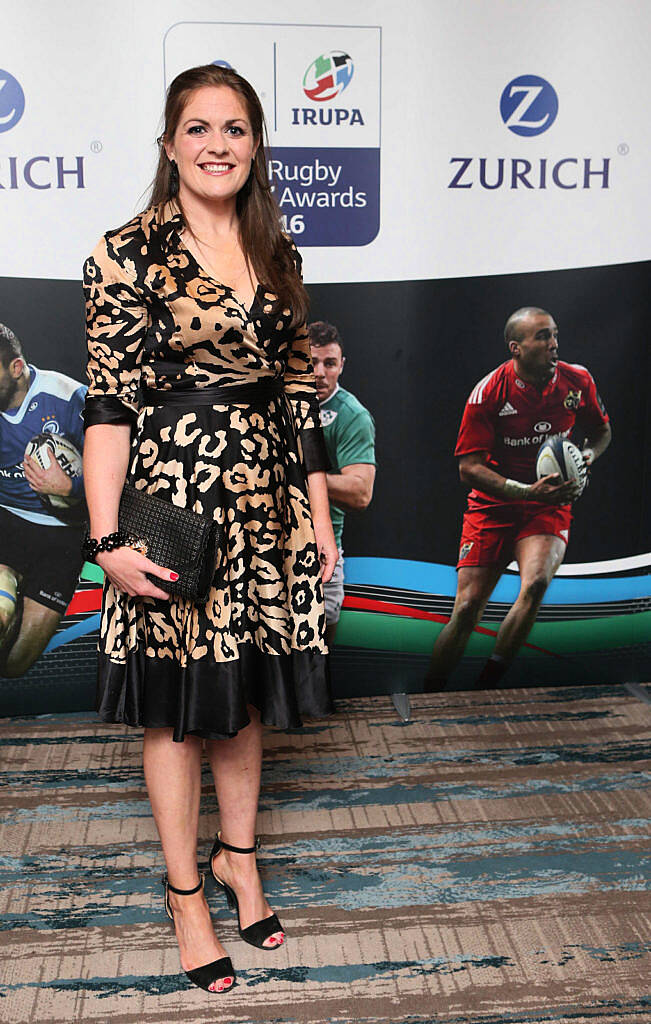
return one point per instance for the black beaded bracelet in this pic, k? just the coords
(91, 547)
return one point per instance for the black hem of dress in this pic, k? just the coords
(208, 698)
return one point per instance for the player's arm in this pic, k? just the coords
(352, 487)
(55, 480)
(75, 431)
(593, 420)
(475, 473)
(596, 444)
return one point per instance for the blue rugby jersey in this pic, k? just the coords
(53, 404)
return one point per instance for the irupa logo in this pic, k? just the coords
(528, 107)
(324, 80)
(328, 76)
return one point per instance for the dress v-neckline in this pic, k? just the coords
(248, 310)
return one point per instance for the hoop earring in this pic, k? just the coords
(174, 178)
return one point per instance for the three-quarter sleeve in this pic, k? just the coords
(300, 389)
(116, 324)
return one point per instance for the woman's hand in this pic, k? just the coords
(327, 548)
(126, 568)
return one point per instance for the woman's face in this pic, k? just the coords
(213, 144)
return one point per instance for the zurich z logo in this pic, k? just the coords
(529, 105)
(12, 101)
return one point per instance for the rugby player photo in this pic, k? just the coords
(349, 433)
(41, 495)
(513, 512)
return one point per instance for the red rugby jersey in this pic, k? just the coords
(510, 419)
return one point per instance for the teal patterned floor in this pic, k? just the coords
(485, 863)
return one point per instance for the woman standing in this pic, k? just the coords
(202, 393)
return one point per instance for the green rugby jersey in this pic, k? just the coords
(349, 433)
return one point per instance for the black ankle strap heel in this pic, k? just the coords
(167, 885)
(219, 842)
(257, 933)
(208, 974)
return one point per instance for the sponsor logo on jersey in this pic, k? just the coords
(572, 399)
(33, 406)
(543, 427)
(465, 550)
(328, 416)
(525, 442)
(508, 410)
(520, 383)
(529, 105)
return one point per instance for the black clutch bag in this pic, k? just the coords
(176, 538)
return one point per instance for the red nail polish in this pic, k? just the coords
(174, 576)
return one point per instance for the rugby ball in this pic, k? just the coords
(45, 447)
(558, 455)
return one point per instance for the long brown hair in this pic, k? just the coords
(265, 246)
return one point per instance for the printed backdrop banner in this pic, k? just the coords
(513, 136)
(439, 165)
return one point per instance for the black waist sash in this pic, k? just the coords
(216, 394)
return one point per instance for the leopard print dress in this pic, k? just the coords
(157, 320)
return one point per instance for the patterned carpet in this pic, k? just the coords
(481, 864)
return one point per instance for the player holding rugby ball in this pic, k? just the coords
(510, 514)
(40, 549)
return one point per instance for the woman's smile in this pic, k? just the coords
(216, 168)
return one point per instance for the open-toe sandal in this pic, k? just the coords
(208, 974)
(257, 933)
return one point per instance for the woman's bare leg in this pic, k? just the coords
(173, 776)
(236, 765)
